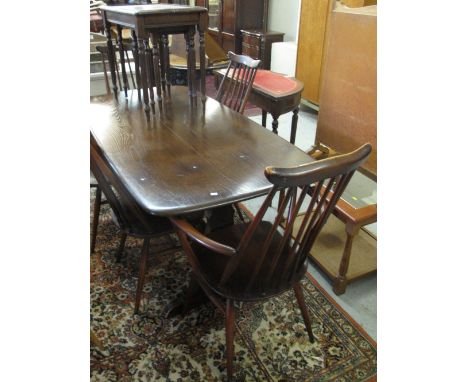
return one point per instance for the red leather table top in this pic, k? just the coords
(274, 82)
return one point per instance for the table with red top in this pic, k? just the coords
(276, 94)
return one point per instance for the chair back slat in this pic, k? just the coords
(268, 240)
(282, 255)
(241, 249)
(237, 82)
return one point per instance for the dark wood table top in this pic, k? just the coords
(183, 160)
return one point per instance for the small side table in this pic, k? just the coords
(257, 44)
(274, 93)
(154, 22)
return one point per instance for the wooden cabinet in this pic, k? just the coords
(257, 44)
(228, 17)
(314, 15)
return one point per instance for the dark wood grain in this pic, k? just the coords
(257, 260)
(187, 158)
(157, 20)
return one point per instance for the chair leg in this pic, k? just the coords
(141, 273)
(123, 238)
(303, 307)
(96, 212)
(230, 319)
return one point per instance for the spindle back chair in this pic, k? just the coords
(236, 84)
(127, 214)
(260, 259)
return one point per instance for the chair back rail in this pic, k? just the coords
(241, 73)
(323, 182)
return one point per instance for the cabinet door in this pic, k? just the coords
(310, 46)
(229, 16)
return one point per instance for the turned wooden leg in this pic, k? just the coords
(157, 65)
(122, 59)
(150, 73)
(96, 212)
(201, 33)
(123, 238)
(143, 74)
(130, 70)
(111, 57)
(230, 322)
(166, 63)
(264, 118)
(274, 124)
(302, 306)
(190, 47)
(136, 59)
(142, 273)
(340, 283)
(292, 138)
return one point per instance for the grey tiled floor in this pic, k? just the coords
(360, 299)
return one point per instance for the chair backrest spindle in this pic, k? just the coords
(319, 184)
(237, 82)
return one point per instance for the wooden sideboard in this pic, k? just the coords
(228, 17)
(257, 44)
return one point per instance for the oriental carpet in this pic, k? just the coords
(271, 343)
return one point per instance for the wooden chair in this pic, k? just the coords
(235, 91)
(256, 261)
(127, 215)
(235, 87)
(96, 211)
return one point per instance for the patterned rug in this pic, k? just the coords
(271, 343)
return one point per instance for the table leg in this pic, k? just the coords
(155, 40)
(111, 57)
(339, 284)
(189, 73)
(190, 43)
(144, 77)
(274, 124)
(166, 63)
(264, 118)
(219, 217)
(150, 73)
(201, 32)
(131, 71)
(192, 298)
(136, 59)
(292, 138)
(161, 62)
(122, 59)
(108, 91)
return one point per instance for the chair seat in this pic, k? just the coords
(213, 264)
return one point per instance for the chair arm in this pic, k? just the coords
(196, 235)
